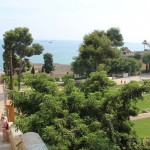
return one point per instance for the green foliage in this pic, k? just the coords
(33, 71)
(48, 63)
(70, 86)
(101, 67)
(115, 36)
(93, 118)
(138, 56)
(124, 48)
(146, 60)
(82, 67)
(18, 41)
(65, 78)
(5, 78)
(97, 82)
(125, 64)
(42, 83)
(27, 103)
(98, 46)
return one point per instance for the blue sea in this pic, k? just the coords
(63, 51)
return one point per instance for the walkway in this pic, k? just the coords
(140, 116)
(144, 76)
(3, 145)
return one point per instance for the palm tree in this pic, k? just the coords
(144, 43)
(146, 60)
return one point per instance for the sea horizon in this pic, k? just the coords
(63, 51)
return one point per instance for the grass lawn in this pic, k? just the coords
(115, 87)
(145, 103)
(142, 127)
(23, 88)
(141, 104)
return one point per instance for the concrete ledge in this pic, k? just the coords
(32, 141)
(27, 141)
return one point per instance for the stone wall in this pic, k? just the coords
(27, 141)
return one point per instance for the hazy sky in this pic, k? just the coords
(72, 19)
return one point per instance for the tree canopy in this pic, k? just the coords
(99, 46)
(146, 60)
(82, 67)
(19, 43)
(115, 36)
(124, 65)
(80, 119)
(48, 63)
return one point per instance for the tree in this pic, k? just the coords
(9, 48)
(146, 60)
(137, 56)
(18, 41)
(33, 71)
(72, 120)
(115, 36)
(144, 43)
(48, 63)
(97, 82)
(82, 67)
(125, 64)
(123, 48)
(97, 47)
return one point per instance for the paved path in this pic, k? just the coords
(3, 145)
(140, 116)
(144, 76)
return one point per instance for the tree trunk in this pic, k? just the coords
(11, 72)
(97, 64)
(19, 74)
(146, 67)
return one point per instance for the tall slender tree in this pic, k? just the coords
(33, 71)
(146, 60)
(48, 63)
(144, 43)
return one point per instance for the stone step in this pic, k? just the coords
(4, 145)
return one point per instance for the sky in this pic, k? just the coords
(72, 19)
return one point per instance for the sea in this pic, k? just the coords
(63, 51)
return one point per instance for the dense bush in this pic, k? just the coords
(74, 119)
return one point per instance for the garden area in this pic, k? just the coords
(92, 114)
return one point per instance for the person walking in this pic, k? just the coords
(3, 123)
